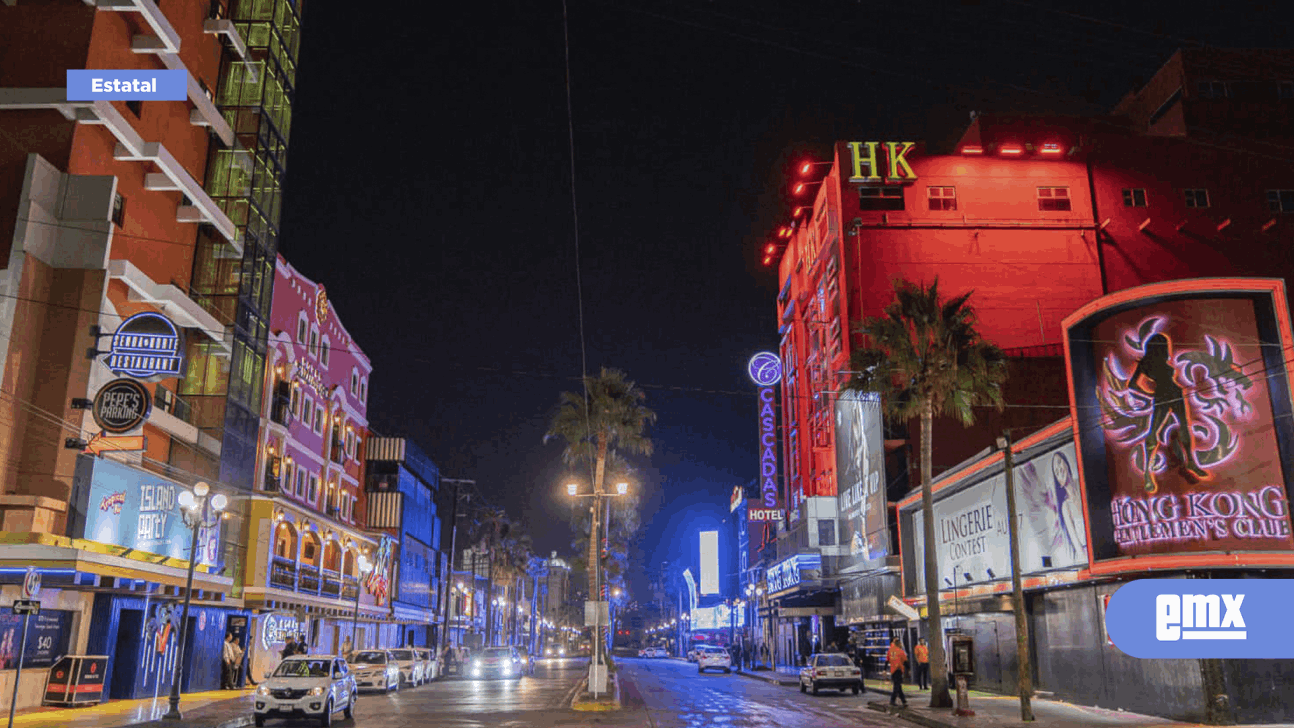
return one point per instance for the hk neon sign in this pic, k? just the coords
(866, 158)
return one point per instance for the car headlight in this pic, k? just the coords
(263, 691)
(316, 691)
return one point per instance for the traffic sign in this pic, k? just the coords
(26, 606)
(31, 584)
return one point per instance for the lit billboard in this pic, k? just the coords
(1181, 401)
(972, 544)
(860, 469)
(717, 617)
(709, 562)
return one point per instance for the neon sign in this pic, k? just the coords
(146, 346)
(769, 509)
(864, 156)
(276, 628)
(312, 377)
(765, 369)
(377, 581)
(789, 573)
(1201, 516)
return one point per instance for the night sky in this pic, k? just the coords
(429, 189)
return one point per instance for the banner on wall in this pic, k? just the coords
(1182, 406)
(47, 638)
(123, 506)
(972, 542)
(860, 468)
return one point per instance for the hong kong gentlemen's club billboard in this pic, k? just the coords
(1181, 401)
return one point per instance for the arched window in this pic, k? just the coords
(302, 328)
(311, 549)
(285, 541)
(332, 555)
(323, 352)
(348, 562)
(314, 341)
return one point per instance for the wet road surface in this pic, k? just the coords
(663, 693)
(658, 693)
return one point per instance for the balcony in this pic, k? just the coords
(331, 584)
(281, 410)
(283, 573)
(273, 482)
(309, 579)
(349, 587)
(338, 452)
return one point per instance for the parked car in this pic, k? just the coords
(658, 652)
(430, 665)
(713, 658)
(410, 667)
(303, 686)
(496, 662)
(691, 654)
(833, 671)
(375, 670)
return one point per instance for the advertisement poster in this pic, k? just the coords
(47, 638)
(971, 529)
(860, 468)
(709, 562)
(1186, 455)
(124, 506)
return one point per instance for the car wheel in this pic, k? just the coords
(350, 707)
(815, 687)
(259, 720)
(326, 718)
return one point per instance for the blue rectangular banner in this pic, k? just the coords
(47, 638)
(126, 85)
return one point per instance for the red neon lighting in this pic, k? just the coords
(971, 149)
(769, 249)
(767, 260)
(1011, 149)
(804, 169)
(798, 211)
(799, 188)
(1051, 148)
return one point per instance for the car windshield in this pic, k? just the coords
(370, 658)
(304, 668)
(497, 652)
(402, 654)
(833, 661)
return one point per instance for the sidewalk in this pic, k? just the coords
(214, 709)
(999, 711)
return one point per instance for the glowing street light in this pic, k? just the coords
(198, 511)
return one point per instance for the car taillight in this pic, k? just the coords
(819, 673)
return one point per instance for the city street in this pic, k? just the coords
(657, 693)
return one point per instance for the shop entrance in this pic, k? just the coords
(125, 660)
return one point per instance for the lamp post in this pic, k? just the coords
(595, 582)
(197, 506)
(362, 566)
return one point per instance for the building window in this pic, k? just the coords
(363, 389)
(301, 483)
(1197, 198)
(136, 108)
(308, 410)
(350, 444)
(1280, 200)
(942, 198)
(296, 402)
(119, 211)
(323, 352)
(826, 532)
(319, 420)
(314, 342)
(314, 488)
(1134, 198)
(880, 198)
(301, 328)
(1213, 89)
(1053, 199)
(354, 382)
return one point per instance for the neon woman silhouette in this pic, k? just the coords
(1168, 401)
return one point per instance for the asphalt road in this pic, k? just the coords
(658, 693)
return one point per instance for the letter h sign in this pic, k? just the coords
(865, 158)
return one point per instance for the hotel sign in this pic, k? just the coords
(765, 369)
(870, 159)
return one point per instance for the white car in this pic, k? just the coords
(658, 652)
(833, 671)
(713, 658)
(430, 665)
(504, 662)
(303, 686)
(375, 670)
(411, 668)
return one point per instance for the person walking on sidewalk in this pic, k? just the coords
(897, 660)
(921, 656)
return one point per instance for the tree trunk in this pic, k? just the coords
(939, 695)
(1024, 676)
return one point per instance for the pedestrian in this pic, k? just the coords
(289, 648)
(897, 660)
(921, 655)
(303, 647)
(231, 659)
(833, 648)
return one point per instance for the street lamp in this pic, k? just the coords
(363, 566)
(199, 511)
(595, 585)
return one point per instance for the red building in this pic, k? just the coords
(1038, 216)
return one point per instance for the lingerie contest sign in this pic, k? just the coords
(971, 528)
(1182, 403)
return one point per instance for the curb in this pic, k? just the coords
(908, 715)
(786, 682)
(598, 706)
(241, 721)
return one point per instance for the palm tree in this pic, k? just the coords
(491, 529)
(926, 359)
(608, 418)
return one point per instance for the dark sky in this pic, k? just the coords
(429, 189)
